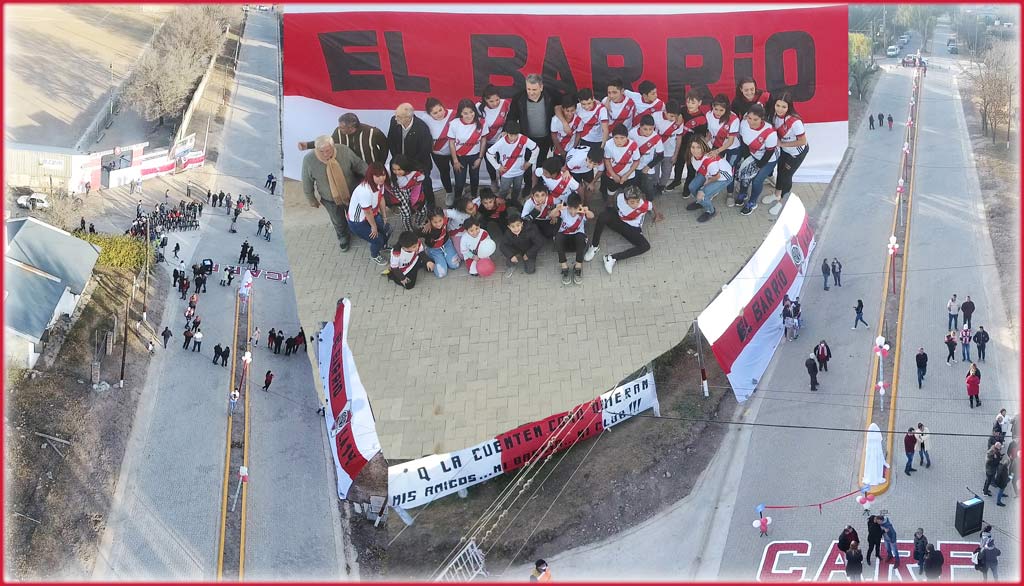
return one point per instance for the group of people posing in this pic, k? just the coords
(550, 159)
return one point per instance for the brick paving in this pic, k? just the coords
(457, 360)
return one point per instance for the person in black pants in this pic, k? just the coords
(533, 108)
(981, 339)
(695, 120)
(521, 244)
(874, 539)
(409, 135)
(625, 219)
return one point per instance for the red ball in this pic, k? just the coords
(485, 267)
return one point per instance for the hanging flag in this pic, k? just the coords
(245, 287)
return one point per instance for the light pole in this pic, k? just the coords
(145, 285)
(111, 89)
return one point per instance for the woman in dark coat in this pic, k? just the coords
(920, 548)
(992, 458)
(874, 539)
(950, 342)
(933, 561)
(854, 562)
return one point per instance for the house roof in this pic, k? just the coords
(51, 250)
(30, 299)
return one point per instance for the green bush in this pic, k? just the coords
(120, 250)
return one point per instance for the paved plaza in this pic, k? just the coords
(460, 359)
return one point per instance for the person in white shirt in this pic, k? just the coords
(557, 178)
(590, 125)
(793, 142)
(494, 112)
(724, 136)
(562, 136)
(572, 235)
(626, 220)
(762, 141)
(466, 140)
(621, 107)
(407, 260)
(439, 244)
(537, 207)
(621, 159)
(669, 125)
(475, 244)
(367, 216)
(586, 165)
(712, 175)
(652, 152)
(646, 100)
(438, 120)
(513, 155)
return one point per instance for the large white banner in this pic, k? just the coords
(744, 323)
(350, 424)
(417, 482)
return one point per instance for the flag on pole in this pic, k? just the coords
(245, 287)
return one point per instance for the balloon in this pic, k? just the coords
(861, 500)
(486, 248)
(756, 524)
(870, 497)
(879, 341)
(485, 267)
(759, 508)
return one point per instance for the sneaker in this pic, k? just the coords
(673, 185)
(776, 209)
(769, 199)
(577, 276)
(566, 277)
(609, 262)
(687, 195)
(746, 211)
(692, 206)
(854, 328)
(589, 255)
(378, 259)
(730, 201)
(705, 217)
(344, 245)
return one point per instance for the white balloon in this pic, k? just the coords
(879, 340)
(486, 248)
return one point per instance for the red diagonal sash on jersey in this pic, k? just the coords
(667, 135)
(650, 144)
(518, 150)
(561, 186)
(441, 238)
(636, 212)
(655, 106)
(786, 126)
(762, 136)
(549, 205)
(623, 162)
(499, 120)
(565, 140)
(698, 120)
(474, 138)
(723, 131)
(590, 124)
(707, 162)
(443, 138)
(626, 113)
(412, 263)
(574, 227)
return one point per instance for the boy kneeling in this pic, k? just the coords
(407, 259)
(522, 243)
(627, 220)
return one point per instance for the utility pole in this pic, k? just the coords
(145, 285)
(885, 32)
(111, 89)
(124, 342)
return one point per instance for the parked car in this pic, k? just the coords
(34, 201)
(953, 50)
(951, 40)
(892, 51)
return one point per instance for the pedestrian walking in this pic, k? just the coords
(881, 119)
(910, 447)
(289, 345)
(188, 338)
(889, 537)
(244, 254)
(195, 322)
(197, 341)
(273, 186)
(812, 370)
(177, 277)
(988, 559)
(965, 343)
(1001, 425)
(541, 572)
(270, 177)
(183, 288)
(166, 335)
(837, 270)
(889, 120)
(255, 338)
(859, 317)
(151, 347)
(278, 341)
(923, 435)
(224, 276)
(271, 338)
(177, 247)
(874, 538)
(216, 353)
(920, 548)
(825, 271)
(981, 339)
(260, 225)
(267, 231)
(933, 562)
(230, 275)
(973, 389)
(269, 378)
(993, 457)
(953, 311)
(950, 342)
(193, 300)
(224, 355)
(822, 353)
(871, 122)
(854, 562)
(922, 365)
(1001, 479)
(233, 400)
(967, 308)
(287, 273)
(202, 281)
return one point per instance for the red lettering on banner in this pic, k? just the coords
(349, 456)
(776, 565)
(256, 273)
(834, 561)
(357, 60)
(273, 276)
(770, 570)
(761, 306)
(521, 444)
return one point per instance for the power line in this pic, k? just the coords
(846, 273)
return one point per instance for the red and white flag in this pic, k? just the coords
(245, 287)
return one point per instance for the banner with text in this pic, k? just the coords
(343, 59)
(744, 323)
(350, 425)
(417, 482)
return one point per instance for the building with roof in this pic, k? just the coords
(46, 272)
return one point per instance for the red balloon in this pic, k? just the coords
(764, 523)
(870, 497)
(861, 500)
(485, 267)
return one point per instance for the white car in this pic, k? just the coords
(35, 201)
(892, 51)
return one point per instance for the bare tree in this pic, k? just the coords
(994, 81)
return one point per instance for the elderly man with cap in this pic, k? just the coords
(328, 177)
(410, 136)
(367, 142)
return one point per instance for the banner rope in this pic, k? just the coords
(818, 505)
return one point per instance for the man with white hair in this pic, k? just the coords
(367, 142)
(328, 178)
(533, 108)
(410, 136)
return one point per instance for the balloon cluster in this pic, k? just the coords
(866, 499)
(892, 246)
(761, 522)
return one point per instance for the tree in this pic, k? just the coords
(994, 82)
(918, 17)
(859, 48)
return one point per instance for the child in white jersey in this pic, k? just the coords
(557, 178)
(536, 210)
(626, 219)
(494, 112)
(711, 176)
(621, 159)
(652, 151)
(586, 165)
(562, 136)
(572, 235)
(407, 259)
(439, 244)
(475, 244)
(513, 155)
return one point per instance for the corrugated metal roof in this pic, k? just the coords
(52, 250)
(30, 299)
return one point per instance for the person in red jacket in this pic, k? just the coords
(267, 380)
(973, 389)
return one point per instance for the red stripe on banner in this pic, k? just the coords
(349, 456)
(521, 444)
(376, 60)
(763, 304)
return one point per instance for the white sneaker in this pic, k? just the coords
(589, 255)
(730, 201)
(769, 198)
(609, 262)
(449, 199)
(776, 209)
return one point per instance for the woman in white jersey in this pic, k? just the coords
(724, 136)
(494, 112)
(762, 143)
(438, 120)
(712, 174)
(467, 141)
(367, 216)
(793, 142)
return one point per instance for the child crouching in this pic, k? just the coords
(407, 259)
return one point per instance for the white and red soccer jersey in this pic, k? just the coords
(439, 133)
(571, 224)
(494, 119)
(622, 157)
(632, 216)
(789, 129)
(467, 137)
(758, 141)
(643, 107)
(511, 155)
(469, 245)
(558, 129)
(405, 261)
(648, 147)
(587, 123)
(455, 220)
(621, 112)
(364, 199)
(576, 161)
(710, 166)
(669, 131)
(409, 180)
(532, 210)
(560, 187)
(721, 131)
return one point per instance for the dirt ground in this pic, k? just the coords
(67, 498)
(639, 468)
(999, 176)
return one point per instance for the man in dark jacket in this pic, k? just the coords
(825, 271)
(874, 539)
(812, 369)
(933, 561)
(967, 307)
(409, 135)
(980, 340)
(367, 142)
(522, 243)
(533, 108)
(922, 365)
(823, 354)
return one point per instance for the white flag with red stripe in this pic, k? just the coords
(245, 287)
